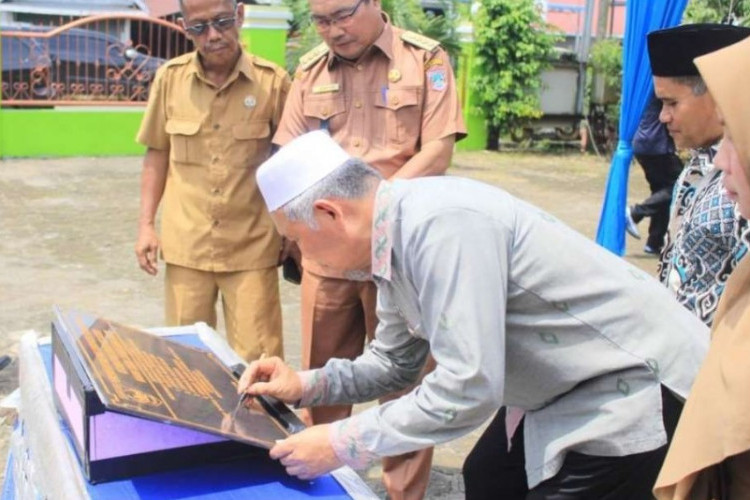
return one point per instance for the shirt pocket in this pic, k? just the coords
(403, 114)
(184, 144)
(252, 143)
(320, 109)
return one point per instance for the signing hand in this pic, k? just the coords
(271, 377)
(307, 454)
(147, 248)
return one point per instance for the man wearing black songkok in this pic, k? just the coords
(704, 241)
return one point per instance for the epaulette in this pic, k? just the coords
(420, 41)
(179, 60)
(265, 63)
(313, 56)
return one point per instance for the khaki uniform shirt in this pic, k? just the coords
(213, 216)
(397, 96)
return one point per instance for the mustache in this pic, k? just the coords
(343, 38)
(215, 46)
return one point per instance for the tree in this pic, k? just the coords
(406, 14)
(714, 11)
(513, 46)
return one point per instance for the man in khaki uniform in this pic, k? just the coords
(208, 125)
(389, 97)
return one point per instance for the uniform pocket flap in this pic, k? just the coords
(251, 130)
(324, 108)
(400, 98)
(182, 127)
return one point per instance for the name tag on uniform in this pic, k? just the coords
(326, 89)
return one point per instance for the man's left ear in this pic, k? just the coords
(327, 209)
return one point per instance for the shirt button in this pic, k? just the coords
(216, 126)
(216, 191)
(395, 100)
(214, 159)
(215, 223)
(357, 104)
(359, 67)
(357, 143)
(325, 112)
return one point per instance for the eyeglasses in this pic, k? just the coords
(219, 24)
(340, 19)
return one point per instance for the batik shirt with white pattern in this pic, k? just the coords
(517, 309)
(705, 240)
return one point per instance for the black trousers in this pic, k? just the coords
(491, 473)
(661, 173)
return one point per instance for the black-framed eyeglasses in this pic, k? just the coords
(219, 24)
(343, 17)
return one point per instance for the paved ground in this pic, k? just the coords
(67, 229)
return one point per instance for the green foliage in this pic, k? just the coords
(714, 11)
(513, 46)
(406, 14)
(605, 72)
(605, 59)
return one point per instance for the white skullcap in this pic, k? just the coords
(298, 166)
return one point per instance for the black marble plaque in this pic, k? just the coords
(146, 375)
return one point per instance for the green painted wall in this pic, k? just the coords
(476, 124)
(265, 43)
(69, 132)
(264, 31)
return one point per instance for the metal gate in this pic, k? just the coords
(100, 60)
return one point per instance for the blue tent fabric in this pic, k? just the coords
(642, 17)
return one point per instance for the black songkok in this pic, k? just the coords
(672, 50)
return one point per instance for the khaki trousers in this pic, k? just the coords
(250, 302)
(337, 317)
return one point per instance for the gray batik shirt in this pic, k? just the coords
(517, 309)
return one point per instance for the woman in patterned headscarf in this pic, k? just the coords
(709, 457)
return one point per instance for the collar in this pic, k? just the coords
(384, 43)
(243, 65)
(382, 231)
(707, 151)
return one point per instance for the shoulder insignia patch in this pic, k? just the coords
(313, 56)
(420, 41)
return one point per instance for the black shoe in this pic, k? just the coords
(630, 226)
(651, 250)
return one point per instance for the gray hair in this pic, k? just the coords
(695, 82)
(182, 5)
(350, 181)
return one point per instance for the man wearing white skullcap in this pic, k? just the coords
(388, 96)
(313, 155)
(465, 272)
